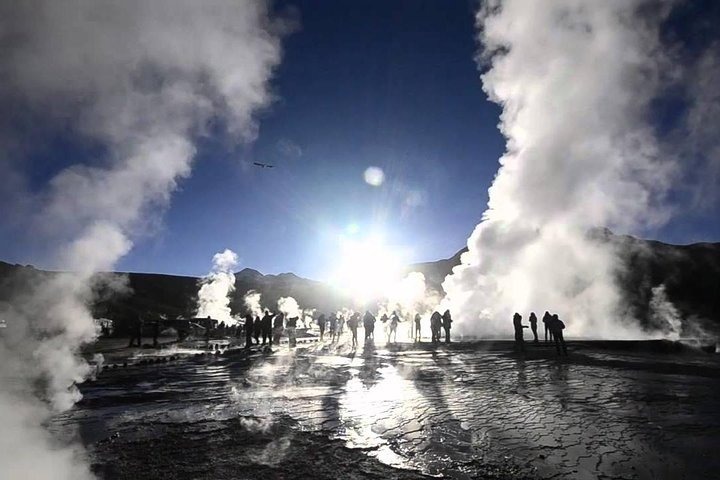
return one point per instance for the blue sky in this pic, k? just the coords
(392, 84)
(361, 84)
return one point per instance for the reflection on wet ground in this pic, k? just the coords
(461, 411)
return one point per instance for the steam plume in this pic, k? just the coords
(574, 79)
(252, 302)
(141, 80)
(213, 297)
(410, 296)
(290, 307)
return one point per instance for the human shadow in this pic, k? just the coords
(371, 364)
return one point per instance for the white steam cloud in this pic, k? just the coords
(574, 79)
(409, 296)
(290, 307)
(213, 297)
(140, 81)
(664, 316)
(252, 302)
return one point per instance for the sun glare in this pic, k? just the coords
(366, 268)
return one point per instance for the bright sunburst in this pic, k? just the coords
(367, 268)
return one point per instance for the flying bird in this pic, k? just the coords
(263, 165)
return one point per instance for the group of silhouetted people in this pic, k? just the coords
(437, 324)
(333, 325)
(553, 330)
(270, 328)
(136, 332)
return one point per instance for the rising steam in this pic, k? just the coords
(251, 299)
(290, 307)
(140, 81)
(574, 79)
(213, 297)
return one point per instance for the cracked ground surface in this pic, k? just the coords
(467, 410)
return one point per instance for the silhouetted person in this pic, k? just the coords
(341, 324)
(249, 330)
(266, 327)
(333, 324)
(435, 322)
(518, 326)
(446, 323)
(369, 324)
(321, 323)
(238, 331)
(394, 320)
(136, 332)
(556, 327)
(547, 319)
(207, 333)
(156, 333)
(277, 328)
(353, 323)
(417, 327)
(257, 329)
(291, 325)
(533, 325)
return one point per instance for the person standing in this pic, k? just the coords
(352, 323)
(266, 327)
(533, 326)
(156, 333)
(518, 326)
(435, 321)
(446, 323)
(321, 323)
(547, 319)
(277, 328)
(417, 327)
(249, 330)
(394, 321)
(136, 332)
(257, 329)
(291, 326)
(556, 328)
(333, 327)
(369, 324)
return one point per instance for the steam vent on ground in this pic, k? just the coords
(359, 240)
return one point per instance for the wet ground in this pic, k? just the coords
(465, 410)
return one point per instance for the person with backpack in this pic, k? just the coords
(547, 320)
(556, 328)
(435, 321)
(369, 324)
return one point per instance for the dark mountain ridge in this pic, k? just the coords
(690, 275)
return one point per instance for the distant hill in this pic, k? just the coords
(690, 273)
(435, 272)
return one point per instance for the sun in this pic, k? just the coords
(366, 268)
